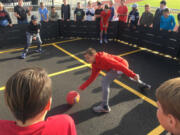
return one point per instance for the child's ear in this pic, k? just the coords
(48, 106)
(172, 121)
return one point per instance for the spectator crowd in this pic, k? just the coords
(161, 20)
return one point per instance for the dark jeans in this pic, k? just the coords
(29, 41)
(22, 21)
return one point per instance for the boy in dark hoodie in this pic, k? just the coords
(5, 19)
(33, 33)
(133, 17)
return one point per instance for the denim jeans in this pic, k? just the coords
(23, 21)
(29, 41)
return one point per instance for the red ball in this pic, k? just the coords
(73, 97)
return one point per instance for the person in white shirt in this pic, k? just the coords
(90, 12)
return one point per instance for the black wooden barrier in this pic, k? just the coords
(164, 42)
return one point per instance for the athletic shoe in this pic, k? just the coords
(144, 86)
(101, 109)
(105, 41)
(101, 42)
(38, 50)
(23, 56)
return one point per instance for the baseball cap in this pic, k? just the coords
(134, 5)
(33, 18)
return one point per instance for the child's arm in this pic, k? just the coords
(129, 16)
(69, 12)
(8, 18)
(75, 15)
(83, 14)
(94, 74)
(62, 12)
(161, 23)
(136, 18)
(42, 15)
(173, 23)
(47, 15)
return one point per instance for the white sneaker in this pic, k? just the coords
(101, 108)
(101, 42)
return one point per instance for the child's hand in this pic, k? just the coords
(78, 90)
(34, 38)
(136, 77)
(10, 25)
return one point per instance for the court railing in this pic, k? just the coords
(162, 41)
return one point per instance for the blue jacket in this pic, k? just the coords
(112, 13)
(167, 23)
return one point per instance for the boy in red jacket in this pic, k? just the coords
(105, 16)
(115, 66)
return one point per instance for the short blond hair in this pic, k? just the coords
(168, 95)
(1, 4)
(90, 51)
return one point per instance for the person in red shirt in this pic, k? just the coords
(28, 96)
(122, 12)
(115, 66)
(105, 16)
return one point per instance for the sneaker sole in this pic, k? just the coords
(102, 111)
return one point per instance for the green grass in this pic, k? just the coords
(173, 4)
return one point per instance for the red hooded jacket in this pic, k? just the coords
(107, 62)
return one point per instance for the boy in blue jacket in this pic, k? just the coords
(167, 21)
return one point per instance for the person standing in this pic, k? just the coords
(111, 7)
(79, 13)
(53, 16)
(157, 16)
(90, 12)
(98, 12)
(65, 11)
(122, 12)
(21, 13)
(133, 17)
(98, 17)
(104, 24)
(43, 11)
(167, 21)
(146, 19)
